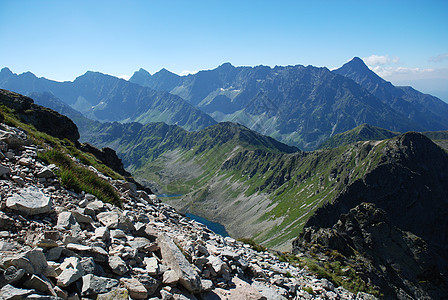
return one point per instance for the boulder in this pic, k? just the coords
(135, 288)
(93, 285)
(102, 233)
(66, 220)
(10, 292)
(32, 261)
(30, 201)
(152, 265)
(115, 220)
(174, 259)
(45, 172)
(39, 284)
(4, 170)
(118, 265)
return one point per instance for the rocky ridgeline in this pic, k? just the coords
(56, 244)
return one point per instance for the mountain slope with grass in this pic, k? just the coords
(363, 132)
(255, 186)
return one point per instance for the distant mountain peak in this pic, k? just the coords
(165, 71)
(6, 71)
(143, 71)
(358, 71)
(226, 65)
(356, 64)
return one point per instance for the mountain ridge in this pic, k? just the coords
(298, 105)
(107, 98)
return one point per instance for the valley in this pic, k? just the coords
(341, 144)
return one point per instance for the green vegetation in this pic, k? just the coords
(72, 175)
(363, 132)
(335, 268)
(309, 290)
(78, 178)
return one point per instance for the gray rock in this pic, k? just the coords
(114, 220)
(53, 254)
(5, 246)
(38, 284)
(117, 233)
(102, 233)
(9, 292)
(45, 172)
(92, 285)
(4, 170)
(118, 265)
(25, 161)
(66, 220)
(12, 275)
(135, 288)
(68, 276)
(151, 284)
(90, 267)
(32, 261)
(170, 277)
(174, 259)
(82, 218)
(217, 264)
(30, 201)
(152, 265)
(139, 243)
(95, 205)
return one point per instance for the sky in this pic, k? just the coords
(405, 42)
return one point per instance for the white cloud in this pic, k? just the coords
(375, 60)
(439, 58)
(403, 73)
(187, 72)
(125, 77)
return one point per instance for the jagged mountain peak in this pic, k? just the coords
(357, 69)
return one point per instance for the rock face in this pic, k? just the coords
(410, 184)
(43, 119)
(144, 250)
(399, 263)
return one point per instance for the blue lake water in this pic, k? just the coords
(213, 226)
(169, 195)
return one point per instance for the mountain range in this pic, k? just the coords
(303, 106)
(107, 98)
(271, 192)
(300, 106)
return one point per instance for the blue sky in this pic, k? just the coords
(405, 42)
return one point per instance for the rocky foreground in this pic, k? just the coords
(56, 244)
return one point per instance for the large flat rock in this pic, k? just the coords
(30, 201)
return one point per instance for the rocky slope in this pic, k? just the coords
(43, 119)
(61, 244)
(398, 264)
(107, 98)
